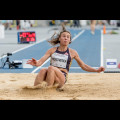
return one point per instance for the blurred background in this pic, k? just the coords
(22, 24)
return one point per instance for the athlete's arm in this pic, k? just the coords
(85, 66)
(45, 57)
(39, 62)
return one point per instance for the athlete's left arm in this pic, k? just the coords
(85, 66)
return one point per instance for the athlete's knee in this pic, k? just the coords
(50, 68)
(43, 71)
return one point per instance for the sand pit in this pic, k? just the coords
(93, 86)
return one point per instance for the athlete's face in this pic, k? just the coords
(65, 38)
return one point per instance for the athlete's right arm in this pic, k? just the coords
(39, 62)
(44, 58)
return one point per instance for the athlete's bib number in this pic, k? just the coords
(59, 60)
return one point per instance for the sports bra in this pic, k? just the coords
(61, 59)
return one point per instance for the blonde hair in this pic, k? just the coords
(55, 39)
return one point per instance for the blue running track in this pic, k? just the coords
(87, 45)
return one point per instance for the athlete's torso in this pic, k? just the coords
(61, 60)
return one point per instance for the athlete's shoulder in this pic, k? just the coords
(72, 50)
(52, 50)
(73, 53)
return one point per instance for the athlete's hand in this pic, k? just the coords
(100, 69)
(32, 62)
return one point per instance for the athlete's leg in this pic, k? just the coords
(93, 23)
(54, 75)
(40, 77)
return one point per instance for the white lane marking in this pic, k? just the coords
(26, 47)
(101, 48)
(78, 35)
(40, 66)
